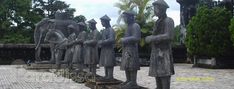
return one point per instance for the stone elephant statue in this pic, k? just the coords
(60, 23)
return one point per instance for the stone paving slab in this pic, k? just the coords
(186, 77)
(16, 77)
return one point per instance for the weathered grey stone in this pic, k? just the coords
(130, 59)
(161, 60)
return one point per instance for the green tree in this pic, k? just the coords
(48, 8)
(143, 17)
(80, 18)
(207, 32)
(16, 16)
(231, 29)
(141, 7)
(176, 40)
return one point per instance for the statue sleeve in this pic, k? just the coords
(81, 38)
(111, 38)
(135, 37)
(167, 35)
(95, 39)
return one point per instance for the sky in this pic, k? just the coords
(95, 9)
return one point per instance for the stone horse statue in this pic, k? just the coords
(61, 23)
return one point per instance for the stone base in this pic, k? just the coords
(43, 66)
(77, 76)
(119, 87)
(100, 84)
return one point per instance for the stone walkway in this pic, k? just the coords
(186, 77)
(16, 77)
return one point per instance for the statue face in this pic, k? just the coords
(70, 30)
(125, 17)
(92, 26)
(81, 28)
(103, 23)
(156, 10)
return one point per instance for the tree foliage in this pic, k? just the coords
(207, 32)
(143, 18)
(16, 16)
(80, 18)
(176, 40)
(231, 29)
(48, 8)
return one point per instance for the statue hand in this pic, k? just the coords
(148, 39)
(121, 40)
(85, 43)
(100, 42)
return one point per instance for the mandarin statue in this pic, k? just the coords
(161, 60)
(79, 51)
(70, 46)
(130, 59)
(91, 48)
(107, 43)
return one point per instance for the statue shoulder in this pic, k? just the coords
(136, 26)
(169, 20)
(111, 29)
(83, 32)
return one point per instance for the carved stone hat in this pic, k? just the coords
(131, 13)
(71, 26)
(105, 17)
(92, 21)
(81, 24)
(161, 3)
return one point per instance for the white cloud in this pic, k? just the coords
(97, 8)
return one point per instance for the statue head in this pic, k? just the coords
(81, 26)
(105, 20)
(160, 7)
(129, 16)
(92, 24)
(71, 29)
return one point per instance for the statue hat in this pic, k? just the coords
(132, 13)
(105, 17)
(92, 21)
(71, 26)
(81, 24)
(161, 3)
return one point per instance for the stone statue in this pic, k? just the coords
(161, 60)
(57, 39)
(91, 46)
(39, 35)
(107, 44)
(70, 46)
(61, 23)
(130, 58)
(79, 51)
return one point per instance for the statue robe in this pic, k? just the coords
(79, 50)
(161, 60)
(107, 56)
(130, 58)
(91, 48)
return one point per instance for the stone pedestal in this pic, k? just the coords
(44, 66)
(99, 83)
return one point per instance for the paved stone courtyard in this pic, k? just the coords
(16, 77)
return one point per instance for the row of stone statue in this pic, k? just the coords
(82, 47)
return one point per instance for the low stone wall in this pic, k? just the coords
(215, 63)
